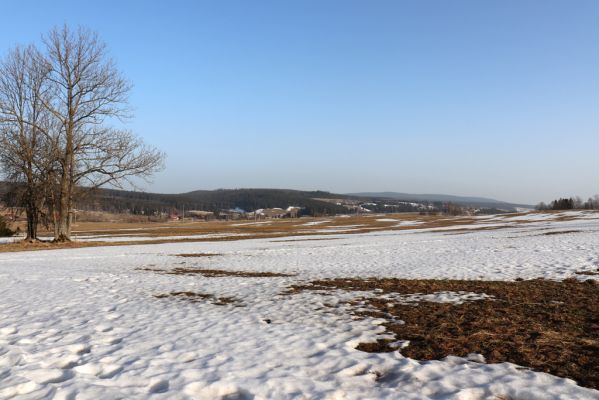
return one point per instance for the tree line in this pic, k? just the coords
(142, 203)
(571, 203)
(58, 103)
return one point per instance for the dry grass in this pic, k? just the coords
(231, 230)
(282, 227)
(560, 232)
(198, 255)
(590, 273)
(41, 245)
(302, 240)
(214, 273)
(49, 245)
(196, 297)
(544, 325)
(167, 232)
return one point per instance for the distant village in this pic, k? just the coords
(92, 212)
(352, 206)
(238, 213)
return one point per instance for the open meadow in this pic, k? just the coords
(299, 200)
(393, 306)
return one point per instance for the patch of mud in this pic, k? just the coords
(548, 326)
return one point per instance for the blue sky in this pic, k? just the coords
(488, 98)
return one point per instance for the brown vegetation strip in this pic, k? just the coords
(560, 232)
(193, 255)
(302, 240)
(587, 272)
(214, 273)
(544, 325)
(276, 229)
(49, 245)
(196, 297)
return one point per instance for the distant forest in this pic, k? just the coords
(312, 203)
(247, 199)
(571, 203)
(142, 203)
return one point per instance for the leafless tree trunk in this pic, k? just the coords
(55, 113)
(25, 148)
(88, 93)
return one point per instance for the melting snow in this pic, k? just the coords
(83, 323)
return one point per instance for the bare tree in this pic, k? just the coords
(56, 138)
(88, 93)
(542, 206)
(26, 148)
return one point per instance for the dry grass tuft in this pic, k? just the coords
(217, 273)
(591, 273)
(171, 232)
(545, 325)
(302, 240)
(196, 297)
(214, 273)
(198, 255)
(560, 232)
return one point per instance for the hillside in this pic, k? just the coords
(209, 200)
(466, 201)
(312, 202)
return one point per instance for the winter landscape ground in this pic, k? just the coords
(308, 309)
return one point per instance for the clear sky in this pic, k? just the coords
(487, 98)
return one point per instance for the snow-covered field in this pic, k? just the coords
(84, 323)
(13, 239)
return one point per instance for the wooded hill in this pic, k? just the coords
(466, 201)
(209, 200)
(312, 202)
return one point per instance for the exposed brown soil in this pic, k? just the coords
(545, 325)
(231, 230)
(560, 232)
(41, 245)
(194, 255)
(463, 231)
(214, 273)
(587, 272)
(21, 246)
(302, 240)
(151, 269)
(196, 297)
(161, 232)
